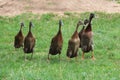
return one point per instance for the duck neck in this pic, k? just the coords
(59, 27)
(89, 27)
(83, 28)
(75, 33)
(90, 19)
(20, 28)
(59, 31)
(77, 27)
(29, 28)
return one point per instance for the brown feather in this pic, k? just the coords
(56, 44)
(29, 42)
(87, 37)
(73, 43)
(19, 39)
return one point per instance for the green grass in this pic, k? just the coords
(118, 1)
(106, 28)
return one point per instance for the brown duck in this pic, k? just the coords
(29, 42)
(87, 38)
(19, 38)
(56, 42)
(73, 43)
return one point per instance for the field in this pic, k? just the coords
(106, 28)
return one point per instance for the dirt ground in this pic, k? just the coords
(15, 7)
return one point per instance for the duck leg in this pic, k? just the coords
(31, 55)
(24, 57)
(76, 58)
(76, 55)
(68, 58)
(48, 57)
(93, 58)
(59, 56)
(83, 56)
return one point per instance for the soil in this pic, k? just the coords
(16, 7)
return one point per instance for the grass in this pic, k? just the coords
(106, 30)
(118, 1)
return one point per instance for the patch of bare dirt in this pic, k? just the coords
(15, 7)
